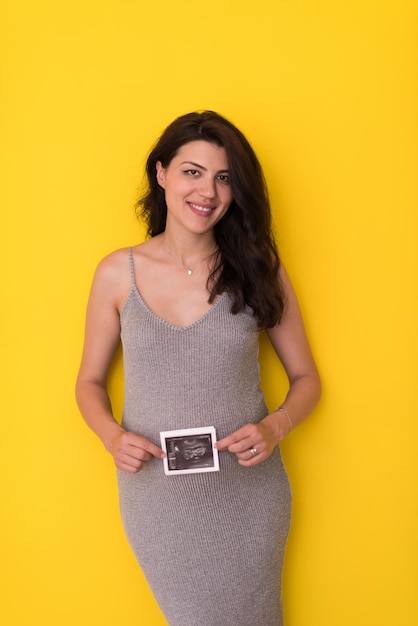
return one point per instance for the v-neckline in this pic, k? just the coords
(169, 324)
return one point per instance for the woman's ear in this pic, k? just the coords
(160, 174)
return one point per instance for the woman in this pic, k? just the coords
(188, 305)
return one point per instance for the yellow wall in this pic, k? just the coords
(326, 92)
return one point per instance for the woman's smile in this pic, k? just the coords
(201, 209)
(196, 184)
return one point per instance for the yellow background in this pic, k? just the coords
(326, 92)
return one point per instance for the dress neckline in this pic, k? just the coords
(141, 300)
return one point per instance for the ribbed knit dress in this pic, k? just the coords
(210, 544)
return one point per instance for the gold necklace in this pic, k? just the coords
(189, 268)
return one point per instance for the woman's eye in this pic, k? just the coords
(223, 178)
(192, 172)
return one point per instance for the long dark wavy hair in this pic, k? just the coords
(247, 262)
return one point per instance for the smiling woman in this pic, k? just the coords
(248, 257)
(196, 183)
(188, 305)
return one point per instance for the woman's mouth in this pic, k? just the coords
(200, 208)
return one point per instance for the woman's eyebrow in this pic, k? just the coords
(200, 166)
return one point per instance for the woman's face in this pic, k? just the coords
(196, 184)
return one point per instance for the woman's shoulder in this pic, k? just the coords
(112, 280)
(118, 260)
(116, 264)
(113, 264)
(115, 270)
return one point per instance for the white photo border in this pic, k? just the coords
(189, 432)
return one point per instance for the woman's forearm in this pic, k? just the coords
(301, 399)
(95, 407)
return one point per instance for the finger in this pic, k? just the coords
(130, 468)
(131, 452)
(138, 441)
(242, 446)
(254, 452)
(254, 439)
(250, 459)
(128, 456)
(223, 444)
(130, 459)
(242, 433)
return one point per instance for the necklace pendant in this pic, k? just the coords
(189, 271)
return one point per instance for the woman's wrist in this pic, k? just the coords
(112, 431)
(283, 410)
(281, 423)
(278, 424)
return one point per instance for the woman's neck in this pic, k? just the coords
(188, 249)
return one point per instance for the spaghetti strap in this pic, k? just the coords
(131, 266)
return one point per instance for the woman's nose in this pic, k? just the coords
(207, 188)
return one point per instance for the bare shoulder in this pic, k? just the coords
(114, 263)
(112, 279)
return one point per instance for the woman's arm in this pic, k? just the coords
(102, 336)
(292, 347)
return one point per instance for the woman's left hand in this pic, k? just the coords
(253, 443)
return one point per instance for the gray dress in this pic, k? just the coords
(210, 544)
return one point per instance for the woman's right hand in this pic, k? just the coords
(130, 451)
